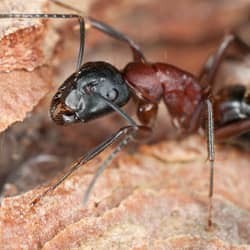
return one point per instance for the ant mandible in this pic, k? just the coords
(97, 88)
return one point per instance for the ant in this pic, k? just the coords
(98, 88)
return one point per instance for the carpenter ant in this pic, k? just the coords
(97, 88)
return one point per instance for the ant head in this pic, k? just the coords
(75, 101)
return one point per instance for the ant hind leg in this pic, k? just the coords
(211, 67)
(211, 158)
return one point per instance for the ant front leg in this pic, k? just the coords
(124, 136)
(87, 157)
(54, 16)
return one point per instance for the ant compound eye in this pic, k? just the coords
(112, 94)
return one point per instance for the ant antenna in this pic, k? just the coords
(55, 16)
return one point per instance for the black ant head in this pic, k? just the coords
(75, 100)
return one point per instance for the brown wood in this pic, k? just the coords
(22, 42)
(25, 46)
(155, 198)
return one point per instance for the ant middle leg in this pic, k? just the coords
(106, 29)
(211, 67)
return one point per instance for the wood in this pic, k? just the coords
(25, 46)
(22, 92)
(154, 199)
(21, 41)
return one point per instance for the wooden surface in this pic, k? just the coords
(153, 199)
(156, 198)
(25, 46)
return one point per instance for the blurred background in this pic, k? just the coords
(180, 32)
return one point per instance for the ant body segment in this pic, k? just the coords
(97, 88)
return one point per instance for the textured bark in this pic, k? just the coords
(153, 199)
(25, 44)
(21, 92)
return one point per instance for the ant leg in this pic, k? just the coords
(82, 43)
(211, 157)
(206, 78)
(209, 71)
(54, 16)
(130, 135)
(87, 157)
(129, 132)
(137, 54)
(194, 124)
(232, 130)
(210, 68)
